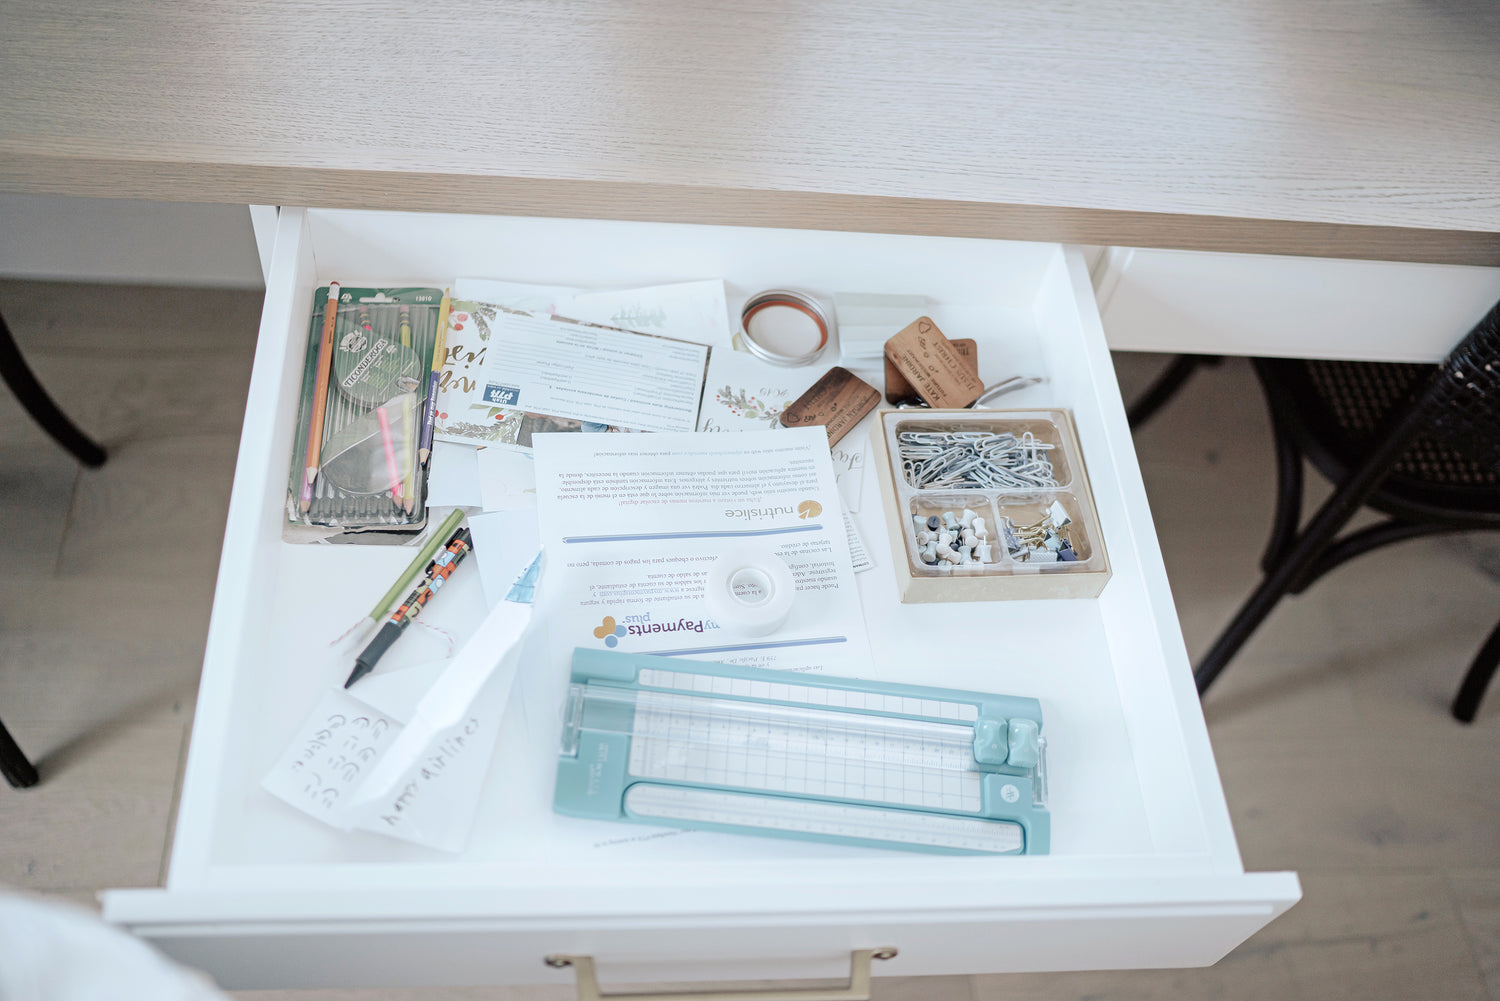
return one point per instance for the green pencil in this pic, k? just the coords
(416, 566)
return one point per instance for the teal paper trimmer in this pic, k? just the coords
(681, 743)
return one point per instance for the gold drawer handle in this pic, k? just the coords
(858, 988)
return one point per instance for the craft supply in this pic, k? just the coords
(1045, 541)
(838, 402)
(415, 567)
(928, 360)
(354, 460)
(784, 327)
(656, 740)
(974, 460)
(390, 453)
(429, 407)
(965, 541)
(370, 367)
(749, 590)
(900, 392)
(320, 395)
(438, 572)
(988, 505)
(408, 466)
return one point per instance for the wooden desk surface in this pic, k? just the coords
(1362, 128)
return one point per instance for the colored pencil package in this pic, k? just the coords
(357, 470)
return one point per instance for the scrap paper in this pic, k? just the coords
(630, 525)
(506, 478)
(505, 544)
(686, 311)
(406, 753)
(335, 749)
(453, 476)
(576, 371)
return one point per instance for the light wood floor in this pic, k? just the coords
(1337, 755)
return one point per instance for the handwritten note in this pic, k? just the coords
(330, 755)
(433, 803)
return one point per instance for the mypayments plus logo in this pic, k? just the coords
(641, 624)
(609, 631)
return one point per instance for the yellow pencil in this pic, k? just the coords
(320, 394)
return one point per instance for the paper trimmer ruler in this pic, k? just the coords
(679, 743)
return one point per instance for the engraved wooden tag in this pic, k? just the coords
(837, 401)
(898, 389)
(933, 366)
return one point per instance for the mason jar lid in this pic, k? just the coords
(775, 327)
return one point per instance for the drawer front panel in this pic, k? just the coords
(349, 952)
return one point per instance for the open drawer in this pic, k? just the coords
(1144, 869)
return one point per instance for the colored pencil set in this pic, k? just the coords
(364, 432)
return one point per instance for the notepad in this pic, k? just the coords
(679, 743)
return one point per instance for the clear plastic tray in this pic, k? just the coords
(1007, 467)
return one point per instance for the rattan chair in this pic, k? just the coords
(1419, 443)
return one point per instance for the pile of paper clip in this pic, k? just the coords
(974, 460)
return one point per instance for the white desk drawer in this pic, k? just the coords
(1144, 869)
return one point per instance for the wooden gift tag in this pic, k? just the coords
(838, 401)
(933, 366)
(898, 389)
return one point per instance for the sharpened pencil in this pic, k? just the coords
(320, 394)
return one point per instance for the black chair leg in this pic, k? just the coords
(1471, 692)
(1310, 543)
(1366, 540)
(1288, 497)
(23, 382)
(1165, 387)
(18, 771)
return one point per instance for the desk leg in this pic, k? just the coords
(23, 382)
(19, 772)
